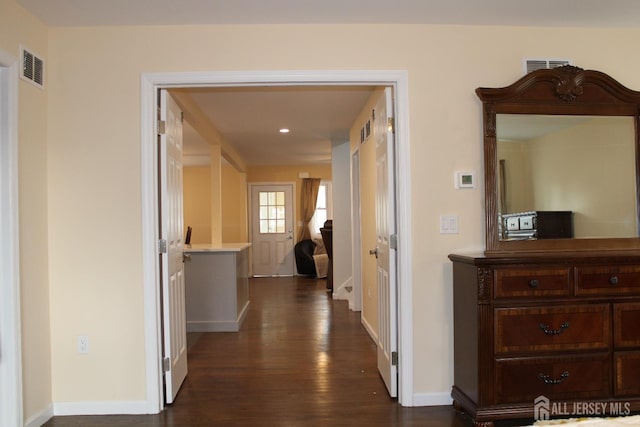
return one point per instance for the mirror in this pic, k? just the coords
(561, 161)
(581, 165)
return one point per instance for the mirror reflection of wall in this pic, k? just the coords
(583, 164)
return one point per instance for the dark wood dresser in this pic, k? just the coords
(563, 326)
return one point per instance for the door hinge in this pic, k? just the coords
(162, 246)
(391, 125)
(394, 358)
(166, 364)
(393, 241)
(181, 116)
(161, 127)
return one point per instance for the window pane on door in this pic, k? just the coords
(264, 198)
(272, 212)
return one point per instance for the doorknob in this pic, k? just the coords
(374, 252)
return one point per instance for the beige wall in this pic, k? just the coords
(234, 206)
(517, 176)
(197, 203)
(18, 27)
(94, 176)
(575, 169)
(593, 176)
(288, 173)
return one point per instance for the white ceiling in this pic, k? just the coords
(250, 118)
(564, 13)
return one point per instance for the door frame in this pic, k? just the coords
(294, 219)
(150, 82)
(11, 399)
(356, 231)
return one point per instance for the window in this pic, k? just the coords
(323, 209)
(272, 212)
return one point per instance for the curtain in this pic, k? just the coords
(308, 199)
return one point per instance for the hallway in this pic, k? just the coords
(300, 359)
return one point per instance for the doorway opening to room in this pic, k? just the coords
(153, 82)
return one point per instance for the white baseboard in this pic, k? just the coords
(369, 329)
(341, 292)
(219, 325)
(39, 419)
(101, 408)
(432, 399)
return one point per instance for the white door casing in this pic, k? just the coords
(272, 233)
(356, 232)
(11, 400)
(151, 82)
(171, 235)
(385, 251)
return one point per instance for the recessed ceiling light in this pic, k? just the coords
(284, 130)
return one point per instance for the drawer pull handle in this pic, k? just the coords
(548, 380)
(533, 283)
(546, 330)
(613, 280)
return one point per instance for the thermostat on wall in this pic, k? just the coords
(465, 180)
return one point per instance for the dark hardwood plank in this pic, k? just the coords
(300, 359)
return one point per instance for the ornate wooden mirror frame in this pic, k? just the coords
(566, 90)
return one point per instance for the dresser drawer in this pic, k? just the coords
(572, 377)
(538, 282)
(607, 280)
(627, 373)
(626, 325)
(530, 329)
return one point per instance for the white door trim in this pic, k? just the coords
(11, 404)
(356, 232)
(150, 82)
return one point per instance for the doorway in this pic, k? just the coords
(272, 223)
(153, 81)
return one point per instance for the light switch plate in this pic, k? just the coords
(448, 224)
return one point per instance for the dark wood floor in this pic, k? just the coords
(300, 359)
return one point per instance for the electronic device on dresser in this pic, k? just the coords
(555, 317)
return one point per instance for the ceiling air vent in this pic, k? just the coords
(32, 68)
(530, 65)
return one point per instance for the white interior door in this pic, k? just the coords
(385, 249)
(272, 229)
(172, 245)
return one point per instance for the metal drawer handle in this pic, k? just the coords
(613, 280)
(533, 283)
(548, 380)
(546, 330)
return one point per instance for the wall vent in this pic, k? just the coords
(529, 65)
(32, 68)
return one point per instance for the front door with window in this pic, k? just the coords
(272, 229)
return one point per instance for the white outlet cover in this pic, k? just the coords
(83, 344)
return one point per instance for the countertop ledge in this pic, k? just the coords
(225, 247)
